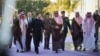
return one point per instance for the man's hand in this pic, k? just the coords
(71, 31)
(43, 31)
(56, 27)
(84, 32)
(61, 31)
(31, 34)
(32, 29)
(81, 30)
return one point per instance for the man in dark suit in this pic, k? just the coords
(29, 31)
(37, 26)
(66, 25)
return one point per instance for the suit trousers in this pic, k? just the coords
(28, 41)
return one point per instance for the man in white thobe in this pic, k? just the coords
(88, 32)
(23, 30)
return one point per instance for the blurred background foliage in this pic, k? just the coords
(43, 6)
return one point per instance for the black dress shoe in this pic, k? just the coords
(76, 49)
(17, 50)
(63, 49)
(56, 51)
(45, 48)
(27, 50)
(36, 50)
(48, 48)
(95, 50)
(84, 49)
(9, 46)
(21, 51)
(80, 48)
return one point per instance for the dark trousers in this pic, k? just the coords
(64, 38)
(10, 44)
(11, 39)
(97, 25)
(19, 40)
(47, 39)
(37, 37)
(28, 41)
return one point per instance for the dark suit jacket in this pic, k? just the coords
(96, 17)
(37, 26)
(29, 26)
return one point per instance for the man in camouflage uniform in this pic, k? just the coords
(47, 30)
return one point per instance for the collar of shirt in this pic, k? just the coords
(29, 18)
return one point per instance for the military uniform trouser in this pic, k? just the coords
(97, 25)
(47, 39)
(64, 38)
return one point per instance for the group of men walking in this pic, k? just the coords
(24, 29)
(82, 31)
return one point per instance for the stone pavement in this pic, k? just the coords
(68, 52)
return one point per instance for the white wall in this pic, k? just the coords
(87, 6)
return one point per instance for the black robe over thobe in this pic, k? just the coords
(57, 39)
(77, 34)
(17, 32)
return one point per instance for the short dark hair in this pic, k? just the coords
(19, 11)
(47, 13)
(37, 14)
(62, 11)
(96, 10)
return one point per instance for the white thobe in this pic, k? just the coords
(99, 35)
(23, 29)
(88, 38)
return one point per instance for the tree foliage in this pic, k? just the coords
(43, 6)
(0, 8)
(32, 5)
(67, 5)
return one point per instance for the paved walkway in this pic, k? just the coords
(68, 52)
(43, 52)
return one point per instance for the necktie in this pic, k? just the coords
(29, 20)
